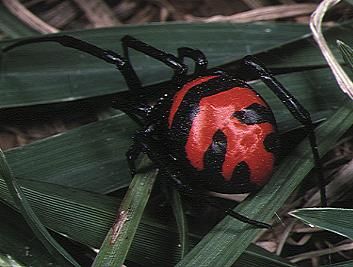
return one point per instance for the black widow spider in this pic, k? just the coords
(209, 130)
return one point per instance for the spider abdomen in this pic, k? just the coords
(225, 132)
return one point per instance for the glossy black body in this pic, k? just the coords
(153, 119)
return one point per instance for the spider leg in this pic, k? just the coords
(143, 142)
(133, 105)
(132, 154)
(200, 195)
(197, 56)
(180, 69)
(237, 215)
(295, 108)
(108, 56)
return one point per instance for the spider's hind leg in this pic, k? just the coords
(295, 108)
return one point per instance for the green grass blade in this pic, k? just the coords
(302, 53)
(31, 218)
(12, 26)
(349, 1)
(17, 240)
(180, 218)
(77, 76)
(119, 238)
(87, 217)
(337, 220)
(6, 260)
(91, 157)
(345, 263)
(227, 240)
(259, 257)
(347, 53)
(69, 211)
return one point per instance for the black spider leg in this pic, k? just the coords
(197, 56)
(134, 105)
(199, 194)
(108, 56)
(237, 215)
(176, 63)
(160, 109)
(144, 142)
(180, 72)
(296, 109)
(137, 148)
(153, 117)
(180, 69)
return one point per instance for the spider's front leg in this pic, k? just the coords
(111, 57)
(197, 56)
(144, 140)
(141, 141)
(180, 69)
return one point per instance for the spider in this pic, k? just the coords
(208, 131)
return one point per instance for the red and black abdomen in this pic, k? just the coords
(225, 132)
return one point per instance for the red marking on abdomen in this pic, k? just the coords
(179, 96)
(244, 142)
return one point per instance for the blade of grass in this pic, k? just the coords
(17, 240)
(341, 264)
(87, 217)
(91, 157)
(31, 218)
(77, 76)
(341, 76)
(302, 53)
(7, 260)
(174, 199)
(347, 53)
(228, 239)
(257, 256)
(180, 218)
(119, 238)
(337, 220)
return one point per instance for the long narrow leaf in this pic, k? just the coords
(180, 218)
(337, 220)
(347, 53)
(18, 240)
(87, 217)
(6, 260)
(341, 264)
(91, 157)
(302, 53)
(119, 238)
(33, 221)
(47, 73)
